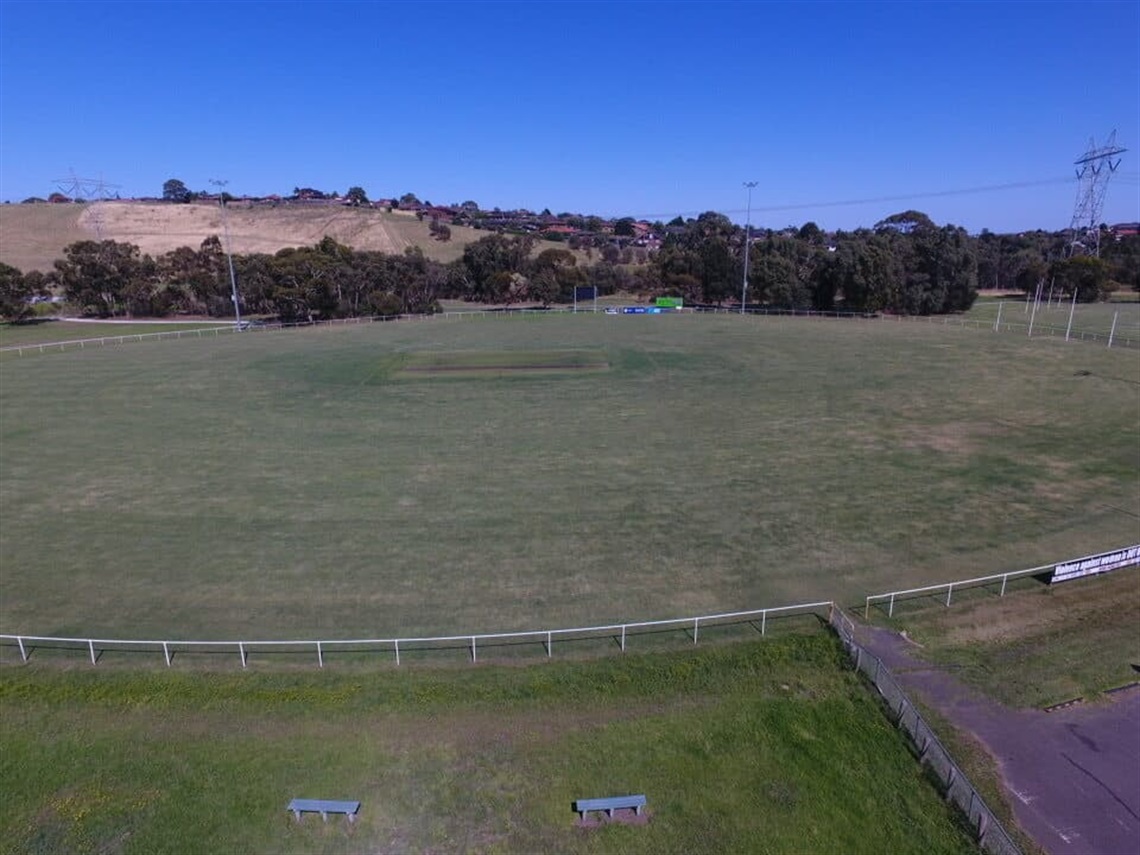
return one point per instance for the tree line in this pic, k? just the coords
(905, 264)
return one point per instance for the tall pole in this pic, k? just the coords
(221, 184)
(747, 246)
(1072, 308)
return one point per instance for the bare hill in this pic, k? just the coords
(32, 236)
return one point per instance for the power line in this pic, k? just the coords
(903, 197)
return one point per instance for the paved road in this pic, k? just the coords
(1073, 775)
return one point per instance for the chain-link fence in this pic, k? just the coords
(992, 837)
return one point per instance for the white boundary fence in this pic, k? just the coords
(619, 632)
(1124, 338)
(981, 581)
(220, 328)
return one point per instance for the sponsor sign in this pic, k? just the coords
(670, 302)
(633, 310)
(1096, 564)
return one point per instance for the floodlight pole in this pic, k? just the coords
(220, 183)
(747, 246)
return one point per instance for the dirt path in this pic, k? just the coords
(1073, 774)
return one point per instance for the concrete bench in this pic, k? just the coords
(609, 805)
(324, 807)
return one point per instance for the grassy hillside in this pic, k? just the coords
(33, 236)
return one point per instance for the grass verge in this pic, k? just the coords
(1040, 644)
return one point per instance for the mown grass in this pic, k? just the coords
(1038, 645)
(498, 363)
(761, 747)
(281, 485)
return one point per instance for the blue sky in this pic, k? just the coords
(642, 109)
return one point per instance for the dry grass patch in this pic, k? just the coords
(1041, 644)
(500, 363)
(954, 438)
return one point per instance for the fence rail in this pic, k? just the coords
(220, 328)
(619, 632)
(980, 581)
(1128, 338)
(991, 835)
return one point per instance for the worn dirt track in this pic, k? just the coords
(1073, 775)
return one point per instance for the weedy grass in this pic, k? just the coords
(286, 485)
(1038, 645)
(766, 746)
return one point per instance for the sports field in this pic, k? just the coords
(308, 484)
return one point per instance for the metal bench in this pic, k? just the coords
(609, 805)
(324, 807)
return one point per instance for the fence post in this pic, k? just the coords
(474, 657)
(241, 650)
(320, 656)
(997, 323)
(949, 591)
(549, 644)
(1112, 331)
(91, 647)
(166, 653)
(696, 627)
(623, 638)
(396, 644)
(23, 653)
(891, 610)
(763, 621)
(1004, 579)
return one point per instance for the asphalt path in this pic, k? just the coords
(1073, 775)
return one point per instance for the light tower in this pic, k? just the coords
(221, 185)
(747, 245)
(1094, 168)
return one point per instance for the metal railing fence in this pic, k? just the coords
(981, 581)
(956, 786)
(473, 642)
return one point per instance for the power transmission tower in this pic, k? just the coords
(87, 190)
(1094, 168)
